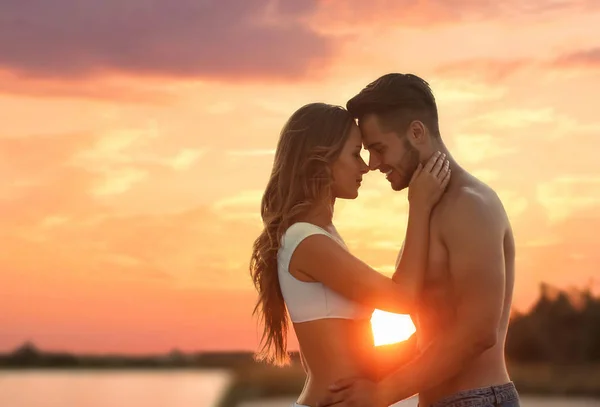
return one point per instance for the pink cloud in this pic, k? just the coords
(441, 12)
(589, 58)
(496, 70)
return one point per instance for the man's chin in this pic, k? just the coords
(398, 186)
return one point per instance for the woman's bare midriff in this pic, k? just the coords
(333, 349)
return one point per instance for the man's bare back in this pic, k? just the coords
(438, 311)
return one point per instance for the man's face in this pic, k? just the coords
(389, 152)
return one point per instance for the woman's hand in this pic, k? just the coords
(428, 183)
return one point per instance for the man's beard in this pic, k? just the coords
(407, 165)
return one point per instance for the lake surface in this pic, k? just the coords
(93, 388)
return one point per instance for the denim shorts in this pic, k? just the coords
(504, 395)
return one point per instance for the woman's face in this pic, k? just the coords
(348, 169)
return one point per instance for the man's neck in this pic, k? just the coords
(458, 173)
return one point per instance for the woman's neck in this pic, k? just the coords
(321, 214)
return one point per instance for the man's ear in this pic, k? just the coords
(417, 133)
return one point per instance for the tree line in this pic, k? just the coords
(562, 327)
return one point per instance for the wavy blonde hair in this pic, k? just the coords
(310, 142)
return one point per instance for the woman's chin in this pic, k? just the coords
(349, 195)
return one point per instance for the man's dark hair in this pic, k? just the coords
(397, 99)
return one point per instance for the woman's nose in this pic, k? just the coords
(364, 168)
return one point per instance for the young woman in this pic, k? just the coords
(301, 266)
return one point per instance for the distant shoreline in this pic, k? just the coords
(28, 356)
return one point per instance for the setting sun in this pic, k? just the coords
(391, 328)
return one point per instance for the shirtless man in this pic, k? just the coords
(463, 317)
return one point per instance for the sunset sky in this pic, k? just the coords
(137, 138)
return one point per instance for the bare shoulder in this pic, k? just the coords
(474, 234)
(474, 206)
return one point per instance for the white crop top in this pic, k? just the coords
(308, 301)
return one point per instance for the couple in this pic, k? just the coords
(454, 274)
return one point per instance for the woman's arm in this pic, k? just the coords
(321, 258)
(326, 261)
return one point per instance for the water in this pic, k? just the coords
(95, 388)
(181, 388)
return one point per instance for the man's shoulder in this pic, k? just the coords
(475, 197)
(474, 203)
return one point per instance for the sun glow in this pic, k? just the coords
(391, 328)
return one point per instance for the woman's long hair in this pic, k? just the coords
(309, 143)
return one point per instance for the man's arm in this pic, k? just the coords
(476, 260)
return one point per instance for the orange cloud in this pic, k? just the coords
(96, 280)
(111, 89)
(483, 69)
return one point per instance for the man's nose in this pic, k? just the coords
(374, 163)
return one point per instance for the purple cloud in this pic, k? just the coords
(191, 38)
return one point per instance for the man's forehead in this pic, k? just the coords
(369, 120)
(370, 139)
(371, 133)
